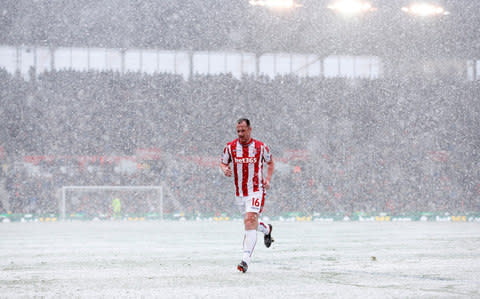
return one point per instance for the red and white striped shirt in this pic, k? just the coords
(247, 162)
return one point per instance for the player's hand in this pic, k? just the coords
(266, 184)
(227, 171)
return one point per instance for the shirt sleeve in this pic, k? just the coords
(267, 156)
(226, 157)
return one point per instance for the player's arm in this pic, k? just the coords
(270, 168)
(225, 161)
(226, 169)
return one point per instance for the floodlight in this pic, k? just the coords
(275, 4)
(351, 7)
(425, 10)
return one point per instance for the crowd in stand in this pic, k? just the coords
(341, 146)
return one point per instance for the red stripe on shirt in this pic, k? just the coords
(245, 171)
(233, 154)
(256, 186)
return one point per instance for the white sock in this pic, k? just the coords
(264, 228)
(249, 242)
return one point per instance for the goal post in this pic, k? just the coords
(158, 196)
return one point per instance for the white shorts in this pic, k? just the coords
(252, 203)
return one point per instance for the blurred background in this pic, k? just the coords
(371, 109)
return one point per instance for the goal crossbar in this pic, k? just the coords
(113, 188)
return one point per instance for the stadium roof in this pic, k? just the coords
(309, 27)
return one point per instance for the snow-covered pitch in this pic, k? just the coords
(175, 259)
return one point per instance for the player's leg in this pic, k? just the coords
(249, 240)
(266, 229)
(251, 221)
(263, 228)
(252, 206)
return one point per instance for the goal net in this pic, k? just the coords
(113, 202)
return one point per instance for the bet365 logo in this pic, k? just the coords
(246, 160)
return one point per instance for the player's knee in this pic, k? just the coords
(251, 217)
(251, 221)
